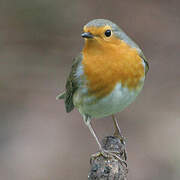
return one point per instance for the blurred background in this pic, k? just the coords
(38, 40)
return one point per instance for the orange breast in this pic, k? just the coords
(106, 64)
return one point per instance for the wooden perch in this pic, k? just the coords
(111, 167)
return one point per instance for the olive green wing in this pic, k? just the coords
(71, 85)
(145, 61)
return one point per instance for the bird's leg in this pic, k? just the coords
(118, 134)
(103, 152)
(87, 121)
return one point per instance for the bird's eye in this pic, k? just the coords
(107, 33)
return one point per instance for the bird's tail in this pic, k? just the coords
(61, 96)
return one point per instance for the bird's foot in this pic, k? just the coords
(123, 141)
(121, 137)
(108, 154)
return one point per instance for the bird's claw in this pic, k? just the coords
(108, 154)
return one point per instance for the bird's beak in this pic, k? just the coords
(87, 35)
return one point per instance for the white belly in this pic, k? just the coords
(120, 98)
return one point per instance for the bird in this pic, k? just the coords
(106, 76)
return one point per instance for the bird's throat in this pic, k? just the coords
(107, 64)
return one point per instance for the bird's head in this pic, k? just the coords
(101, 31)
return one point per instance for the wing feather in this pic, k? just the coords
(145, 61)
(72, 84)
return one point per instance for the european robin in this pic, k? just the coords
(106, 76)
